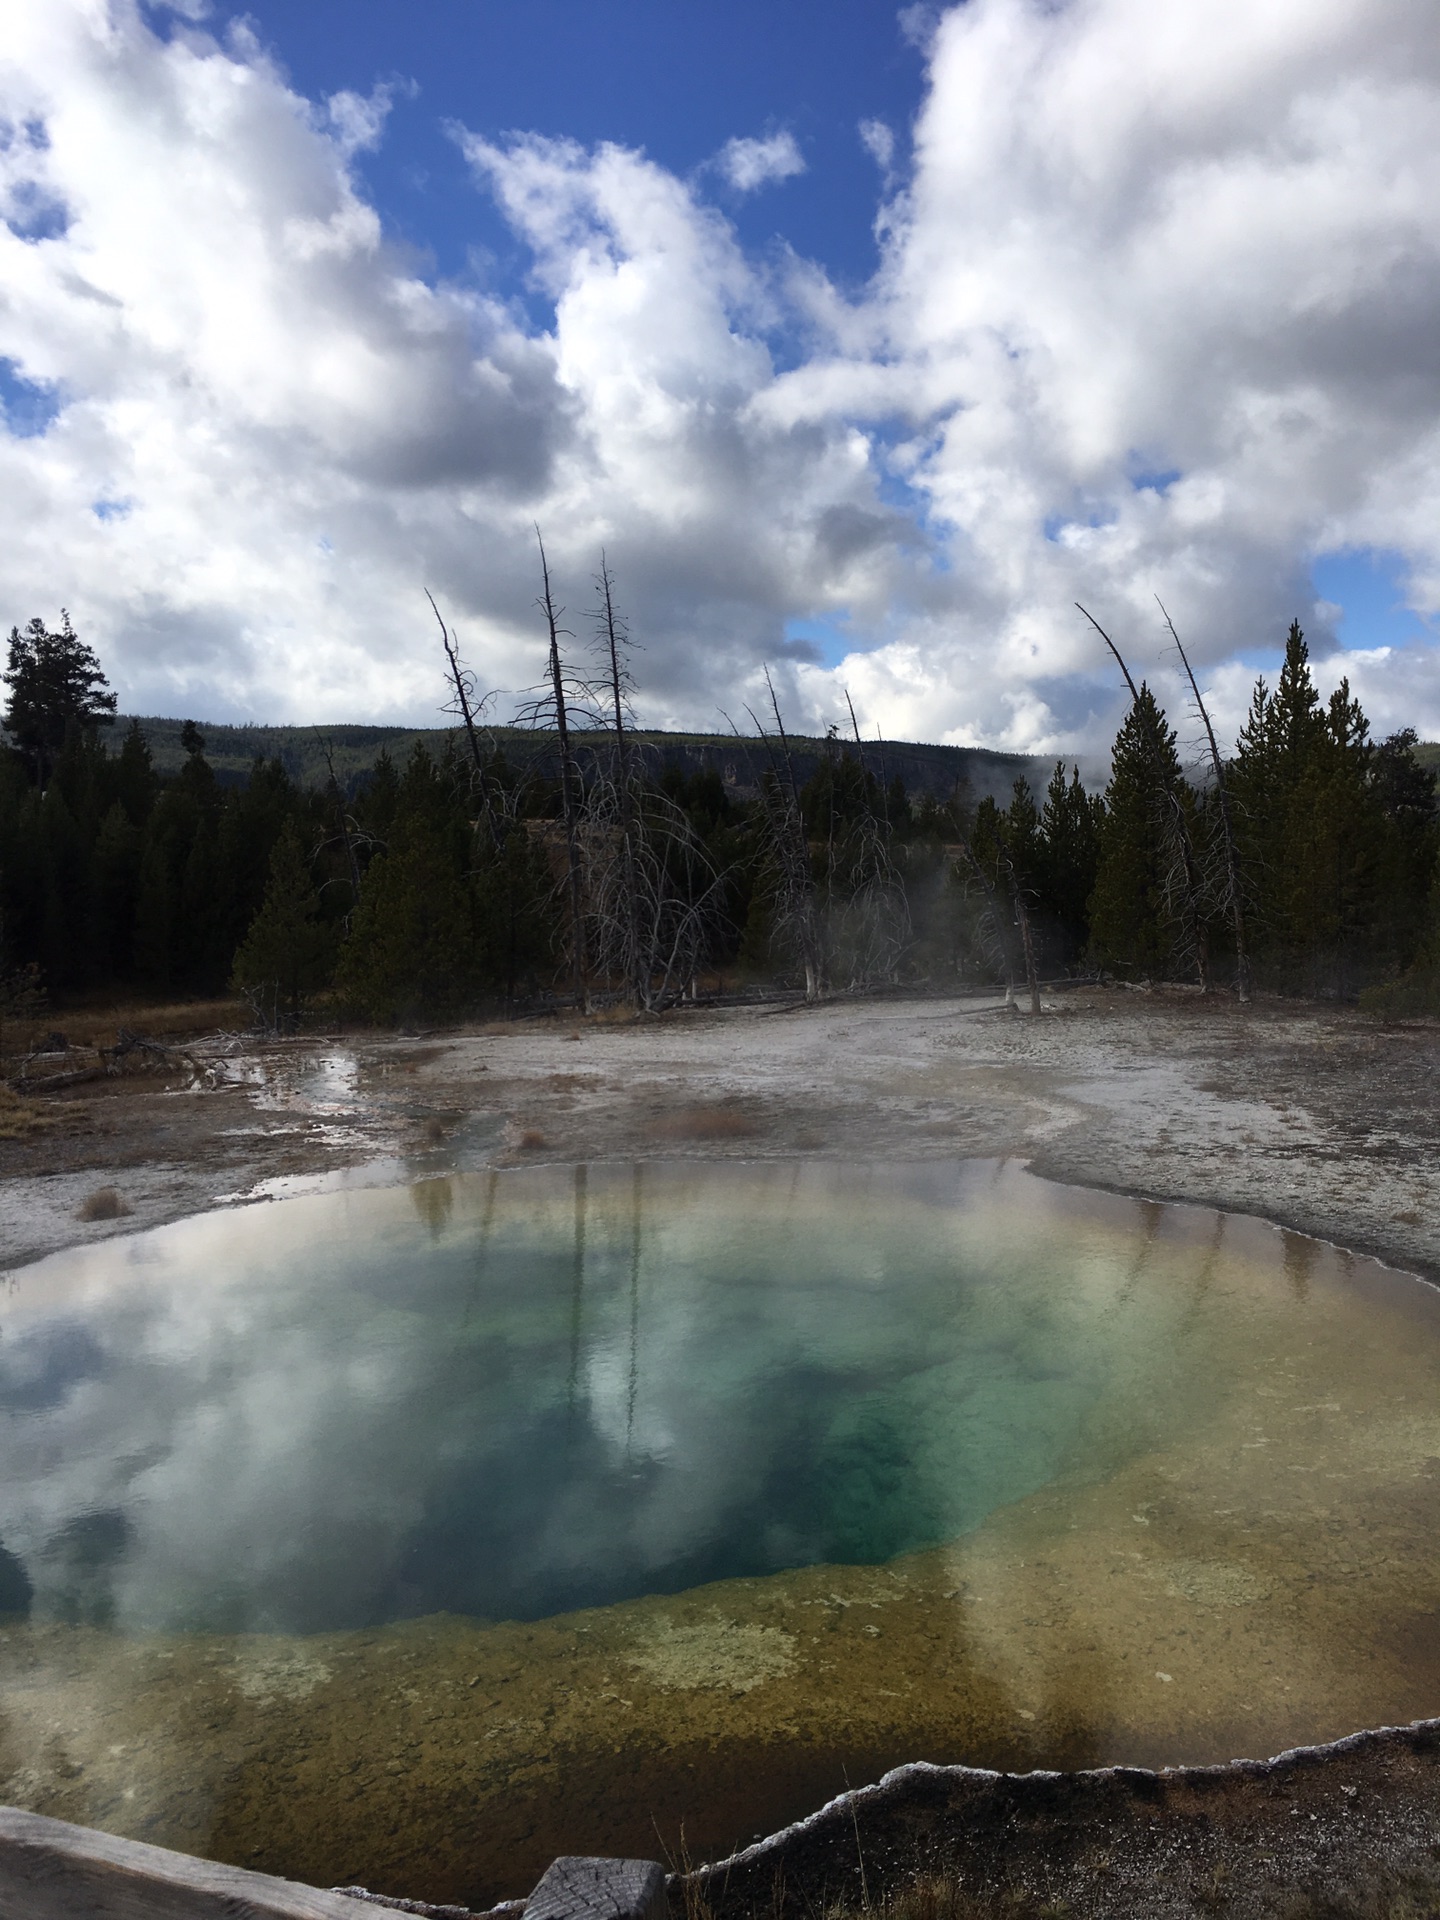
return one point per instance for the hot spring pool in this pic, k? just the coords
(414, 1535)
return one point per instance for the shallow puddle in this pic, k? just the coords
(413, 1536)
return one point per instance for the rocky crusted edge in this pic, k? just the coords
(504, 1911)
(865, 1845)
(925, 1818)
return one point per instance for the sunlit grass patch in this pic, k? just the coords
(19, 1118)
(101, 1026)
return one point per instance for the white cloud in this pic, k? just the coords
(1199, 241)
(358, 120)
(750, 164)
(879, 142)
(918, 23)
(1155, 313)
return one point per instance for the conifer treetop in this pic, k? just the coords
(55, 681)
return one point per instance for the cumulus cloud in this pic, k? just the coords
(246, 364)
(1154, 313)
(878, 141)
(1157, 297)
(750, 164)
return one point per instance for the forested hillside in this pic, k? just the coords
(481, 866)
(312, 756)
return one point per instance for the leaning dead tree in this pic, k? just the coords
(466, 701)
(1184, 880)
(1231, 897)
(499, 795)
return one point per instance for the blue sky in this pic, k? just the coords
(677, 78)
(864, 340)
(1369, 586)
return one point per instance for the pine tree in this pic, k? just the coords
(248, 831)
(286, 954)
(411, 950)
(117, 885)
(1132, 926)
(67, 943)
(22, 986)
(1070, 823)
(1273, 760)
(135, 781)
(1020, 832)
(1329, 893)
(156, 912)
(1312, 829)
(519, 935)
(55, 681)
(1405, 793)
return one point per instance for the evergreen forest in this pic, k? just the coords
(1302, 860)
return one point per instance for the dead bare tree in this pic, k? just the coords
(652, 893)
(613, 638)
(550, 707)
(653, 896)
(465, 702)
(471, 708)
(501, 798)
(1232, 896)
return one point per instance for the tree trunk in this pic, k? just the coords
(569, 790)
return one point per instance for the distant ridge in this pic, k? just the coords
(232, 750)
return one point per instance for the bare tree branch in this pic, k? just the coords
(1232, 865)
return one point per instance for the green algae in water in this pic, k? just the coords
(514, 1395)
(411, 1536)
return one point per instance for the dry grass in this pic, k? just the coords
(106, 1203)
(1379, 1894)
(621, 1014)
(20, 1118)
(99, 1026)
(704, 1123)
(1387, 1895)
(931, 1897)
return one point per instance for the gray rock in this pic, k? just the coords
(576, 1887)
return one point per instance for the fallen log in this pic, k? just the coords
(50, 1870)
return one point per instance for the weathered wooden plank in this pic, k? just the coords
(577, 1887)
(50, 1870)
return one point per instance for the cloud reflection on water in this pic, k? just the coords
(510, 1395)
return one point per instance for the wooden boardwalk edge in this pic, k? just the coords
(50, 1870)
